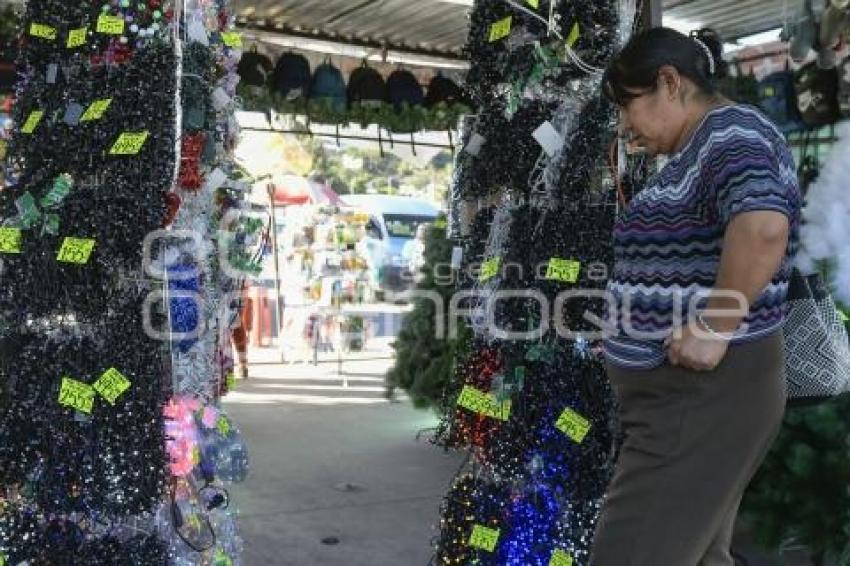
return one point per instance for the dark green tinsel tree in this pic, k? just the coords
(533, 207)
(800, 496)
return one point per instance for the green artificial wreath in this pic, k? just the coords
(408, 119)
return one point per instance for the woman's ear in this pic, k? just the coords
(670, 81)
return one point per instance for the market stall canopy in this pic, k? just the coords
(440, 27)
(294, 190)
(429, 27)
(733, 19)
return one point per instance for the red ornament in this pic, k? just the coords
(190, 162)
(172, 203)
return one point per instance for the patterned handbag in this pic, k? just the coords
(817, 350)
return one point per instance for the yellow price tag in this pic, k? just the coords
(10, 241)
(573, 425)
(232, 38)
(489, 269)
(575, 34)
(96, 110)
(484, 538)
(769, 91)
(110, 25)
(43, 31)
(76, 250)
(76, 395)
(501, 29)
(32, 121)
(482, 403)
(77, 37)
(111, 385)
(129, 143)
(223, 426)
(565, 270)
(561, 558)
(533, 3)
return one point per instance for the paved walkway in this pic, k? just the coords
(335, 463)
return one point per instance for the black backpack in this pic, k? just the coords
(817, 95)
(254, 68)
(366, 85)
(443, 90)
(404, 88)
(291, 78)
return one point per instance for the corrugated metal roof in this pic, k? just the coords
(440, 26)
(732, 18)
(436, 26)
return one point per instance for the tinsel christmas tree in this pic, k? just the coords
(533, 205)
(110, 451)
(424, 356)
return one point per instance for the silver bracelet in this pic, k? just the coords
(713, 332)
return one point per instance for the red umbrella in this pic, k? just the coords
(292, 189)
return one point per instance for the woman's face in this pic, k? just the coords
(653, 121)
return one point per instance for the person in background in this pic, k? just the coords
(702, 262)
(413, 251)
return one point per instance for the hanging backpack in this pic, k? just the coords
(443, 90)
(817, 95)
(404, 88)
(291, 78)
(844, 87)
(366, 86)
(254, 68)
(777, 100)
(328, 98)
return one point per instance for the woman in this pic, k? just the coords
(702, 266)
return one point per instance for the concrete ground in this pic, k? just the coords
(338, 475)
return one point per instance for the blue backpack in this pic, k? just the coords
(779, 102)
(329, 85)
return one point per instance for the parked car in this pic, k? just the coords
(393, 223)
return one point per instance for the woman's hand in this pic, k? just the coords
(697, 351)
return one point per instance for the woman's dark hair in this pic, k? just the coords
(636, 66)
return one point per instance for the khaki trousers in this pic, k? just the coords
(693, 441)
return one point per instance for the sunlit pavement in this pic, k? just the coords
(333, 460)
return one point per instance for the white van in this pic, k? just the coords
(393, 222)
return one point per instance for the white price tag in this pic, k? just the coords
(215, 179)
(220, 99)
(457, 257)
(197, 32)
(476, 142)
(549, 139)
